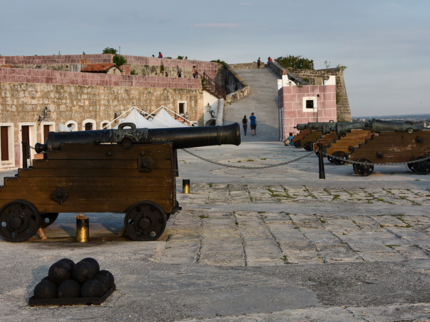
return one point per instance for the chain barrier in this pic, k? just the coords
(302, 157)
(245, 167)
(371, 163)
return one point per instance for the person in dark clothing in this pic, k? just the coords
(245, 124)
(258, 62)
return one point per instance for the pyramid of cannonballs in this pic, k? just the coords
(69, 280)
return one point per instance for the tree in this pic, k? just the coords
(108, 50)
(119, 60)
(295, 62)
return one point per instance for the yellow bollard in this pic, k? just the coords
(186, 186)
(82, 229)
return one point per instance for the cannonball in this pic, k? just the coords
(92, 261)
(109, 275)
(83, 271)
(67, 261)
(59, 272)
(45, 290)
(92, 288)
(104, 280)
(69, 289)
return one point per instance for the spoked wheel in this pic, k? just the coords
(364, 170)
(145, 220)
(422, 167)
(47, 219)
(341, 155)
(308, 146)
(19, 221)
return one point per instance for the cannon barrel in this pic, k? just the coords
(327, 128)
(395, 126)
(345, 127)
(183, 137)
(312, 125)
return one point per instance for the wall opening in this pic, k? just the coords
(88, 126)
(4, 143)
(182, 108)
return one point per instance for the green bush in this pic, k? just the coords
(133, 72)
(108, 50)
(180, 57)
(218, 61)
(119, 60)
(295, 62)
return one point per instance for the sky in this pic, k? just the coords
(385, 45)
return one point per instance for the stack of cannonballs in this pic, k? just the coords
(69, 280)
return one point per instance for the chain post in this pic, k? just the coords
(321, 161)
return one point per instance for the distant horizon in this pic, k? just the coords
(394, 115)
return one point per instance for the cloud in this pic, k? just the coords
(216, 25)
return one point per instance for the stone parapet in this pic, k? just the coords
(58, 59)
(17, 75)
(239, 94)
(246, 65)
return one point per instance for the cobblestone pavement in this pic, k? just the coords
(245, 238)
(218, 193)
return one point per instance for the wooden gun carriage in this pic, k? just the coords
(393, 142)
(129, 171)
(309, 133)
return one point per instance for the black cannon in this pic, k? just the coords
(129, 171)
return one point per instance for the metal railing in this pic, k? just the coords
(211, 86)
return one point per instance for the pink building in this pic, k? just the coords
(304, 103)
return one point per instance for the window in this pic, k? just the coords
(89, 125)
(310, 104)
(7, 155)
(181, 108)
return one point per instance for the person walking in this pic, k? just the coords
(253, 119)
(194, 72)
(245, 124)
(258, 62)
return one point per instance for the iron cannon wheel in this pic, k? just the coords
(339, 154)
(47, 219)
(308, 146)
(364, 170)
(330, 159)
(422, 167)
(19, 221)
(145, 221)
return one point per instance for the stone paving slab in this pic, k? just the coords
(402, 312)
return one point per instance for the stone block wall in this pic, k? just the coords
(18, 75)
(290, 103)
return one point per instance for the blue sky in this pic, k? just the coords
(384, 44)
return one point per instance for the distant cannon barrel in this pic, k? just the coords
(183, 137)
(313, 125)
(345, 127)
(327, 128)
(301, 127)
(394, 126)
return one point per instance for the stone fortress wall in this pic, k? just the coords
(46, 82)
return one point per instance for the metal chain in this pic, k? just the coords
(367, 163)
(302, 157)
(245, 167)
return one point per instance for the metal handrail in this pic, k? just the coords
(211, 86)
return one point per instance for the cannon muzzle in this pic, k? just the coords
(183, 137)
